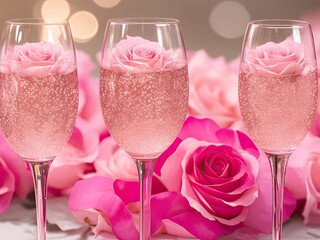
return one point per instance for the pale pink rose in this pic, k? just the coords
(302, 177)
(136, 55)
(213, 91)
(274, 59)
(38, 60)
(89, 102)
(311, 210)
(76, 158)
(114, 162)
(222, 174)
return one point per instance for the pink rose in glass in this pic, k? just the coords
(273, 59)
(214, 89)
(136, 55)
(38, 60)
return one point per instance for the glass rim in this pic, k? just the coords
(143, 20)
(35, 21)
(283, 23)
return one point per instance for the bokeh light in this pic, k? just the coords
(84, 26)
(229, 19)
(55, 9)
(107, 3)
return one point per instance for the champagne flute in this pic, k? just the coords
(38, 96)
(278, 94)
(144, 93)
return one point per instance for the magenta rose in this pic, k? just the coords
(136, 55)
(7, 186)
(273, 59)
(38, 60)
(214, 89)
(222, 174)
(216, 171)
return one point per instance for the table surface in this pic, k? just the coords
(18, 222)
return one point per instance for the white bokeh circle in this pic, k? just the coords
(229, 19)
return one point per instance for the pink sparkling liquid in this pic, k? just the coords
(278, 111)
(144, 112)
(37, 115)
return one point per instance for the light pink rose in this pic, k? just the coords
(89, 102)
(75, 160)
(311, 210)
(222, 174)
(302, 177)
(38, 60)
(114, 162)
(274, 59)
(136, 55)
(214, 89)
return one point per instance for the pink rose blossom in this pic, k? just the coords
(214, 172)
(114, 162)
(89, 102)
(38, 60)
(222, 174)
(302, 177)
(311, 210)
(136, 55)
(75, 159)
(214, 89)
(15, 179)
(273, 59)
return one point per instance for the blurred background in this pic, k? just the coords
(216, 26)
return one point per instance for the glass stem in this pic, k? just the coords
(278, 164)
(145, 171)
(40, 172)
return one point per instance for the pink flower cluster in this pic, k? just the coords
(212, 180)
